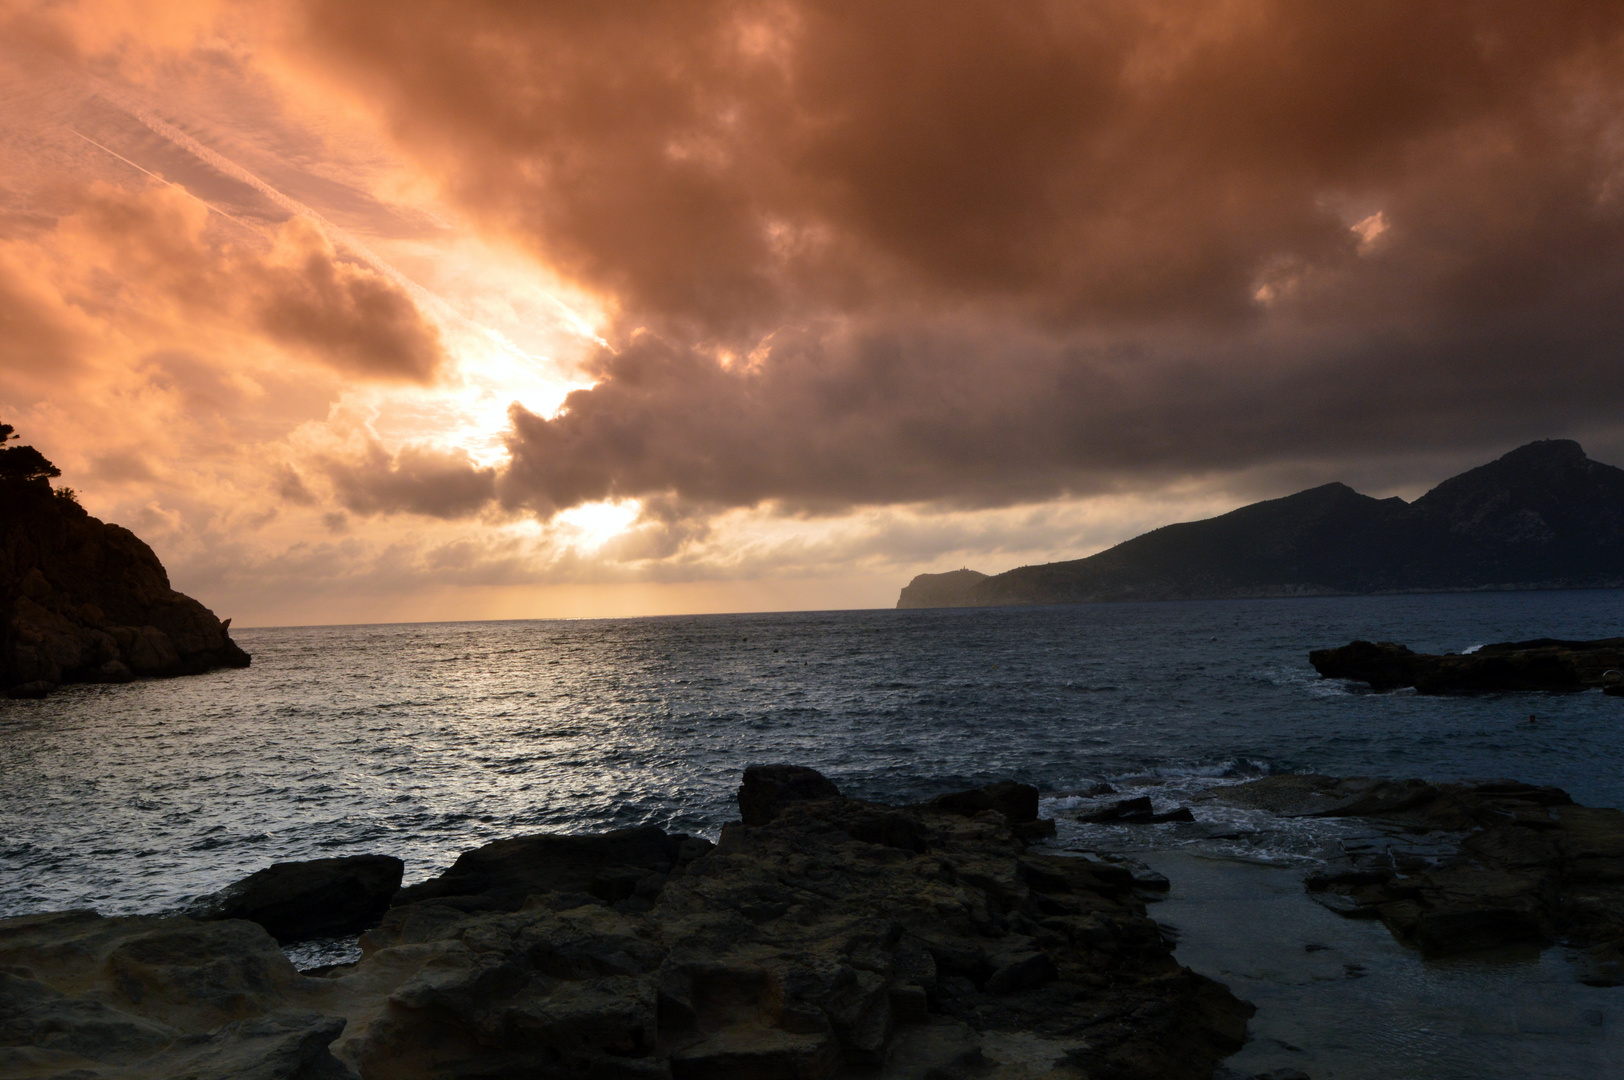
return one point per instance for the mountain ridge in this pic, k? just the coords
(1542, 516)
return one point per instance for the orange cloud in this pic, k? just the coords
(155, 250)
(968, 255)
(418, 479)
(1010, 251)
(725, 164)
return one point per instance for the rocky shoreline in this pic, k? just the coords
(819, 937)
(1459, 868)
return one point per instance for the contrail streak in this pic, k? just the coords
(170, 183)
(340, 237)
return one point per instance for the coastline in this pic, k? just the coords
(1040, 942)
(820, 937)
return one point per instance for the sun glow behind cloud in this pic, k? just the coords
(920, 287)
(591, 525)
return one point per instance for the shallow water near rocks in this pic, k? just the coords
(1340, 999)
(426, 740)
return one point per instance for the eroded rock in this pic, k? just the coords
(840, 938)
(623, 865)
(155, 999)
(767, 789)
(1513, 862)
(1139, 811)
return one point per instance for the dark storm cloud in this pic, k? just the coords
(922, 415)
(417, 480)
(349, 317)
(1010, 250)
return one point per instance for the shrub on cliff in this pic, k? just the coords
(23, 465)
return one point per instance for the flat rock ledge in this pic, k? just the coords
(836, 938)
(1462, 867)
(1546, 664)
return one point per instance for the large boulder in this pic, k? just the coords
(1017, 802)
(625, 865)
(296, 901)
(157, 999)
(823, 942)
(767, 789)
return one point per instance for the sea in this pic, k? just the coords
(424, 740)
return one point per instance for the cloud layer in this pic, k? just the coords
(881, 253)
(873, 282)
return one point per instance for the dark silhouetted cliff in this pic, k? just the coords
(1542, 517)
(84, 601)
(951, 589)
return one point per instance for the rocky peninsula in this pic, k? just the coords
(1545, 664)
(820, 937)
(86, 601)
(1544, 516)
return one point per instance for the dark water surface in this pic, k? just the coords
(426, 740)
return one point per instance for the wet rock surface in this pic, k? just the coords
(1461, 867)
(626, 866)
(84, 601)
(1544, 664)
(839, 938)
(1139, 811)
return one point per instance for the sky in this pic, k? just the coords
(367, 312)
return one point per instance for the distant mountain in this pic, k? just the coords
(1543, 517)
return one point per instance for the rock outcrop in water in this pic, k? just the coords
(837, 938)
(1542, 517)
(1542, 664)
(1464, 867)
(84, 601)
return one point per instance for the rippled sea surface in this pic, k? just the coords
(425, 740)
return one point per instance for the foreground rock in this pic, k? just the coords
(767, 789)
(1542, 664)
(839, 938)
(84, 601)
(627, 866)
(1138, 811)
(1018, 803)
(86, 997)
(297, 901)
(1466, 867)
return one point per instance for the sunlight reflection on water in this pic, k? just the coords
(425, 740)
